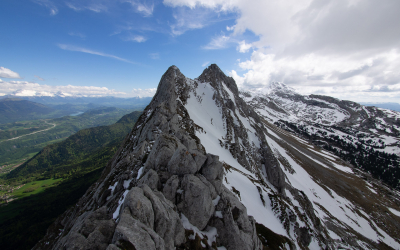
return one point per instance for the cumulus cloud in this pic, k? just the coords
(89, 51)
(316, 46)
(144, 92)
(8, 73)
(24, 88)
(243, 47)
(352, 78)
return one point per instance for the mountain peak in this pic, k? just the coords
(215, 76)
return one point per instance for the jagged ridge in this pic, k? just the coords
(200, 158)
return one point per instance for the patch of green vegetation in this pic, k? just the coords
(34, 187)
(24, 222)
(16, 151)
(78, 160)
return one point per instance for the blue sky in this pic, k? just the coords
(346, 49)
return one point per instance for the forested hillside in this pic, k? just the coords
(79, 160)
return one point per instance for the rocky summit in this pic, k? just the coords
(203, 168)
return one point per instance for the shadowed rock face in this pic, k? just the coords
(160, 174)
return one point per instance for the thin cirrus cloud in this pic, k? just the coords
(88, 51)
(186, 19)
(135, 38)
(154, 56)
(220, 42)
(205, 64)
(92, 6)
(48, 4)
(77, 34)
(143, 7)
(39, 78)
(8, 73)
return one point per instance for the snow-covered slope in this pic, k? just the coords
(202, 170)
(364, 136)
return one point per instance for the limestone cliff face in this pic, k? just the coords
(160, 191)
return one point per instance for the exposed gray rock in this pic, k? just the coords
(213, 171)
(163, 149)
(182, 162)
(171, 187)
(93, 230)
(196, 202)
(136, 233)
(236, 230)
(166, 220)
(151, 179)
(139, 207)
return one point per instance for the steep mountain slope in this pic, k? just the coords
(79, 160)
(202, 170)
(367, 137)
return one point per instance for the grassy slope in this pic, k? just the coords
(80, 159)
(14, 151)
(57, 160)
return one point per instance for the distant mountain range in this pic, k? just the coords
(388, 105)
(20, 108)
(14, 109)
(109, 101)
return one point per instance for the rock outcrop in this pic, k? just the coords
(160, 191)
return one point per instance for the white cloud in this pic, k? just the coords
(77, 34)
(135, 38)
(320, 46)
(154, 56)
(354, 79)
(88, 51)
(38, 77)
(7, 73)
(24, 88)
(144, 92)
(205, 64)
(190, 19)
(142, 6)
(220, 42)
(91, 5)
(243, 47)
(48, 4)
